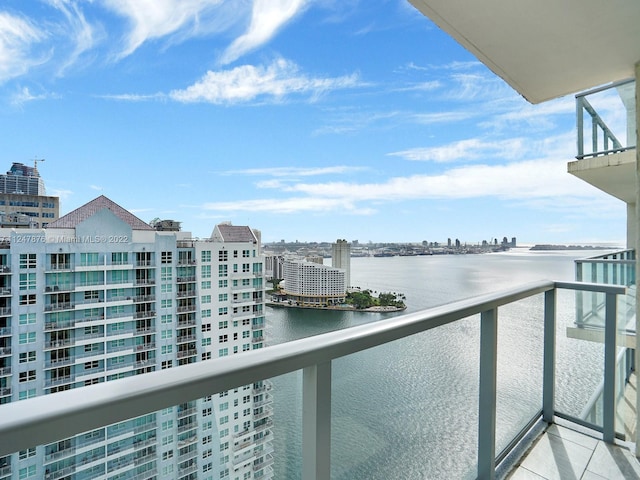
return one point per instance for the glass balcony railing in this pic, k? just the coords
(606, 120)
(617, 268)
(501, 377)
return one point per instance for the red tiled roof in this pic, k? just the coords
(232, 233)
(80, 214)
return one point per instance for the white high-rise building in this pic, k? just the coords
(100, 295)
(341, 258)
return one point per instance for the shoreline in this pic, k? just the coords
(375, 309)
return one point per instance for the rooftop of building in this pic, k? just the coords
(80, 214)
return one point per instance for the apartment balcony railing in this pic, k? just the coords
(598, 137)
(39, 421)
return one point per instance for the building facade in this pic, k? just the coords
(100, 295)
(309, 283)
(341, 258)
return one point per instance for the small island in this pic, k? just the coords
(355, 300)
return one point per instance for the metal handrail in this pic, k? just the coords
(40, 421)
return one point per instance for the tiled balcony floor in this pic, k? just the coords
(566, 451)
(565, 454)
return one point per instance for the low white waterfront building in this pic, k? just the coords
(309, 283)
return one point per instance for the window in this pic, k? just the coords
(89, 259)
(168, 318)
(223, 256)
(166, 349)
(206, 439)
(31, 393)
(168, 425)
(166, 303)
(245, 268)
(223, 352)
(26, 357)
(206, 327)
(166, 333)
(119, 258)
(223, 297)
(24, 454)
(167, 455)
(167, 364)
(27, 260)
(222, 270)
(166, 273)
(223, 283)
(25, 338)
(27, 281)
(205, 270)
(206, 356)
(27, 318)
(27, 376)
(206, 299)
(245, 253)
(223, 338)
(27, 299)
(166, 257)
(27, 472)
(206, 313)
(206, 342)
(223, 311)
(166, 288)
(206, 284)
(168, 440)
(205, 255)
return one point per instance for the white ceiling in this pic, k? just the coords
(545, 48)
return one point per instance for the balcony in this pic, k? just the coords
(605, 142)
(474, 322)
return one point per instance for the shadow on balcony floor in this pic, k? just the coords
(566, 451)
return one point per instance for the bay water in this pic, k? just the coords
(409, 409)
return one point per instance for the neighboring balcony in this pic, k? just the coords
(606, 140)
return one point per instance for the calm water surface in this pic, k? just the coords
(408, 410)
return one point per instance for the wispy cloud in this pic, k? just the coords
(25, 96)
(154, 19)
(296, 171)
(517, 182)
(465, 150)
(77, 28)
(17, 37)
(267, 17)
(96, 187)
(248, 83)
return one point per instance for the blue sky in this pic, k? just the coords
(309, 120)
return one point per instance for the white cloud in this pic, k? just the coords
(81, 32)
(542, 184)
(96, 187)
(465, 150)
(17, 37)
(153, 19)
(25, 95)
(248, 82)
(267, 17)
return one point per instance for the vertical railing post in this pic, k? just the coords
(316, 422)
(579, 294)
(580, 126)
(609, 390)
(487, 400)
(549, 357)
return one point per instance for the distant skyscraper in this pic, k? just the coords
(341, 258)
(23, 199)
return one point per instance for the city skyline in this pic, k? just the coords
(308, 121)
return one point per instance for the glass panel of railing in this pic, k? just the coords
(226, 434)
(409, 409)
(606, 120)
(519, 379)
(287, 425)
(579, 363)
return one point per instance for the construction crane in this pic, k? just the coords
(35, 163)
